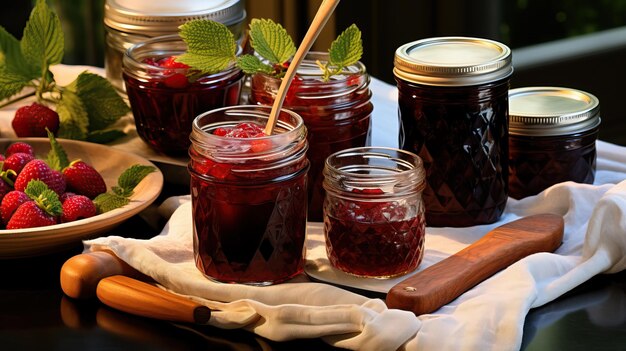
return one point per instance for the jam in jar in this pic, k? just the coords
(337, 113)
(248, 194)
(373, 213)
(165, 96)
(552, 138)
(453, 106)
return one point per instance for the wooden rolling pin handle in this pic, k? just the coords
(80, 274)
(442, 282)
(143, 299)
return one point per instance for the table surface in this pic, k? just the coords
(35, 314)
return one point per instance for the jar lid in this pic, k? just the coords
(153, 18)
(546, 111)
(453, 61)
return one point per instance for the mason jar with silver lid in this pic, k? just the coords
(129, 22)
(552, 138)
(453, 106)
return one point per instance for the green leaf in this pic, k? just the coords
(211, 45)
(251, 64)
(129, 179)
(108, 201)
(57, 157)
(11, 59)
(347, 49)
(42, 41)
(101, 101)
(73, 117)
(34, 188)
(104, 136)
(45, 198)
(271, 40)
(11, 84)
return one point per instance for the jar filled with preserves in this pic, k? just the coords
(552, 138)
(453, 106)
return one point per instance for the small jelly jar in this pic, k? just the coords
(337, 113)
(373, 213)
(249, 197)
(552, 138)
(164, 101)
(453, 106)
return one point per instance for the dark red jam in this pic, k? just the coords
(166, 98)
(374, 239)
(249, 218)
(337, 115)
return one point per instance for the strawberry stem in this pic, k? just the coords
(5, 176)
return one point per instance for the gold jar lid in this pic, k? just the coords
(453, 61)
(550, 111)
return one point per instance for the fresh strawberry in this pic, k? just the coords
(19, 147)
(36, 169)
(66, 196)
(2, 158)
(57, 182)
(77, 207)
(32, 121)
(30, 215)
(17, 161)
(10, 202)
(4, 188)
(84, 180)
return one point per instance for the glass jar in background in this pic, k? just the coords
(337, 114)
(453, 106)
(249, 197)
(128, 22)
(552, 138)
(374, 214)
(165, 101)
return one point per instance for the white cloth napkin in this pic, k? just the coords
(488, 317)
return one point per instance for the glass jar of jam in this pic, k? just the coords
(552, 138)
(373, 213)
(248, 195)
(128, 22)
(166, 98)
(453, 106)
(337, 114)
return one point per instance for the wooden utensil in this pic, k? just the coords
(442, 282)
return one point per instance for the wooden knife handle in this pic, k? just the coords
(143, 299)
(435, 286)
(80, 274)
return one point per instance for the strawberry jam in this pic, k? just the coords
(373, 214)
(337, 114)
(248, 195)
(165, 95)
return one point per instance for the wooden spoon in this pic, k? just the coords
(321, 17)
(442, 282)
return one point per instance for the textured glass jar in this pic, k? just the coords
(552, 138)
(128, 22)
(249, 197)
(337, 114)
(453, 106)
(373, 213)
(163, 108)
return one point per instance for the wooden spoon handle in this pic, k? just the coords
(143, 299)
(441, 283)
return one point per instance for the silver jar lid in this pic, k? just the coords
(453, 61)
(549, 111)
(153, 18)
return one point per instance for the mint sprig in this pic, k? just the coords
(271, 42)
(120, 194)
(45, 198)
(344, 51)
(86, 106)
(211, 46)
(57, 157)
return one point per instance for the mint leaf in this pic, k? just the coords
(129, 179)
(347, 49)
(11, 59)
(251, 64)
(104, 136)
(73, 117)
(271, 40)
(108, 201)
(34, 188)
(11, 84)
(211, 45)
(102, 103)
(57, 157)
(42, 41)
(45, 198)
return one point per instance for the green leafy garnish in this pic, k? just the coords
(120, 194)
(57, 157)
(45, 198)
(346, 50)
(272, 42)
(211, 46)
(87, 105)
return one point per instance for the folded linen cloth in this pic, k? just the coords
(488, 317)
